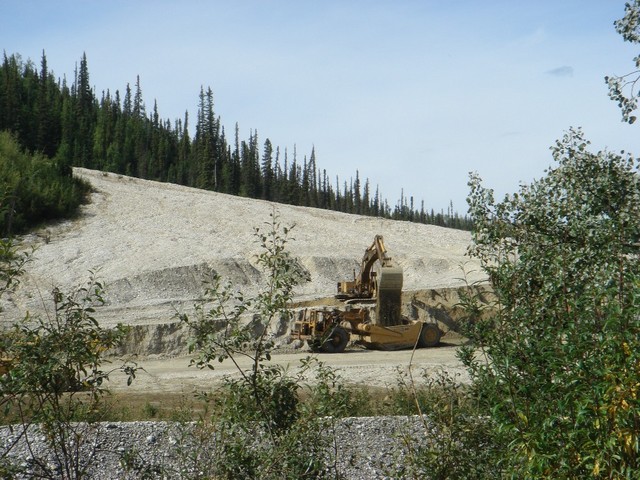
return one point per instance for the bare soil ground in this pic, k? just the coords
(379, 369)
(151, 243)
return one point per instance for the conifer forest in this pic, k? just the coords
(68, 124)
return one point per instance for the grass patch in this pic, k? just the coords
(158, 406)
(182, 406)
(131, 407)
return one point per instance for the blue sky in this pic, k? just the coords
(413, 94)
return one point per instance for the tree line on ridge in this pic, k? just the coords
(116, 133)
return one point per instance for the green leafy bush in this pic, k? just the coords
(459, 440)
(261, 427)
(560, 359)
(12, 264)
(56, 381)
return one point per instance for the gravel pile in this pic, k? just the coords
(367, 448)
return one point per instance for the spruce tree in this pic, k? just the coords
(267, 170)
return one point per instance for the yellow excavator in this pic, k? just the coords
(379, 281)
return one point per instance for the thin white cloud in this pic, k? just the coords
(537, 37)
(563, 71)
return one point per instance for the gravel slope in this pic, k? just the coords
(151, 242)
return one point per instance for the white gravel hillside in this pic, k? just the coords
(151, 242)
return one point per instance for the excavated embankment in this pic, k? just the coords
(440, 305)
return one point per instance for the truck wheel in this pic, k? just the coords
(429, 335)
(315, 344)
(336, 341)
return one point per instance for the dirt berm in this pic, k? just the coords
(151, 244)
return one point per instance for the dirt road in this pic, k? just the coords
(362, 367)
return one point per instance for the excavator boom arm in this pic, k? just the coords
(385, 285)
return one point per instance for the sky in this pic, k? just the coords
(412, 94)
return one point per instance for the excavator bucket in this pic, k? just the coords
(388, 307)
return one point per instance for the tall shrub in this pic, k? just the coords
(261, 427)
(560, 365)
(55, 385)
